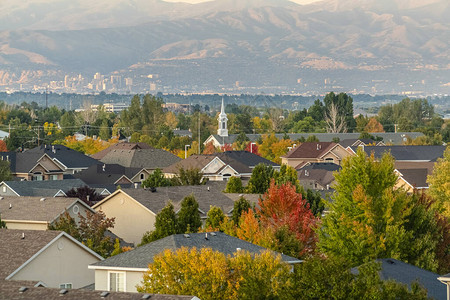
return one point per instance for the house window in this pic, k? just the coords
(53, 177)
(65, 286)
(117, 282)
(142, 176)
(38, 177)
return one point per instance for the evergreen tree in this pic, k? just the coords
(5, 171)
(240, 206)
(165, 225)
(234, 185)
(189, 216)
(288, 174)
(156, 179)
(214, 218)
(105, 132)
(260, 180)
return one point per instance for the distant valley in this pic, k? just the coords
(398, 46)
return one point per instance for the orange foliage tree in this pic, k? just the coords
(374, 126)
(3, 147)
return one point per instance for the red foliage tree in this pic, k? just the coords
(3, 147)
(283, 206)
(252, 148)
(209, 148)
(226, 147)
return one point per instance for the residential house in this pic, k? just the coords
(317, 176)
(391, 138)
(148, 159)
(112, 175)
(127, 268)
(52, 257)
(221, 166)
(413, 175)
(33, 166)
(445, 279)
(135, 209)
(310, 152)
(404, 153)
(26, 290)
(37, 213)
(392, 269)
(69, 160)
(40, 188)
(360, 142)
(120, 146)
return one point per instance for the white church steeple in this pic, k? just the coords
(222, 130)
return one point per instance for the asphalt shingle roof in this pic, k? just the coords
(218, 241)
(69, 157)
(406, 273)
(141, 158)
(415, 177)
(46, 188)
(246, 158)
(15, 251)
(310, 150)
(406, 153)
(396, 138)
(34, 208)
(120, 146)
(106, 173)
(10, 290)
(156, 201)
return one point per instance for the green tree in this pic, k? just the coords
(67, 224)
(260, 179)
(439, 182)
(288, 174)
(234, 185)
(156, 179)
(165, 225)
(315, 202)
(5, 171)
(214, 218)
(191, 176)
(332, 278)
(240, 206)
(189, 216)
(105, 132)
(371, 219)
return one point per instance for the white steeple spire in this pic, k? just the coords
(222, 130)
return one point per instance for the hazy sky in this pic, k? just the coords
(198, 1)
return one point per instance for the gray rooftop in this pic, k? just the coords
(34, 208)
(141, 158)
(406, 273)
(218, 241)
(15, 251)
(69, 157)
(156, 201)
(46, 188)
(10, 290)
(388, 137)
(406, 153)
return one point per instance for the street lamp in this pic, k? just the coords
(251, 147)
(185, 150)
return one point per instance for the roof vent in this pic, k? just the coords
(63, 292)
(208, 188)
(146, 296)
(135, 185)
(42, 199)
(103, 167)
(10, 206)
(213, 234)
(390, 261)
(306, 173)
(319, 147)
(104, 294)
(206, 236)
(22, 289)
(23, 235)
(187, 235)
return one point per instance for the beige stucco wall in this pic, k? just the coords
(62, 262)
(23, 225)
(213, 166)
(132, 279)
(132, 219)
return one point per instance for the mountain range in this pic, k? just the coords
(272, 45)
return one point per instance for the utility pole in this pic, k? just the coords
(395, 128)
(199, 132)
(46, 97)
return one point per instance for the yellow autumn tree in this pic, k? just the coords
(374, 126)
(439, 182)
(204, 273)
